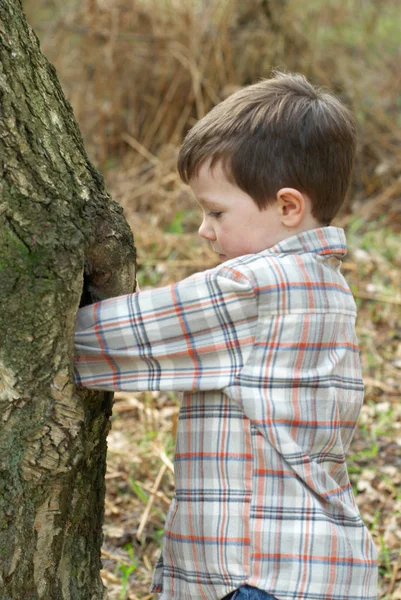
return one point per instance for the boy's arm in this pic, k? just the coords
(194, 335)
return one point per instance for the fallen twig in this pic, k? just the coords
(145, 515)
(396, 568)
(386, 299)
(387, 389)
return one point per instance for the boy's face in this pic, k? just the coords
(232, 222)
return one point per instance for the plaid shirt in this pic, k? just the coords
(264, 348)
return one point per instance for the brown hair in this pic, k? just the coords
(280, 132)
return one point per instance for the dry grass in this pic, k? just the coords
(151, 68)
(138, 74)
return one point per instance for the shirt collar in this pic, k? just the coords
(324, 241)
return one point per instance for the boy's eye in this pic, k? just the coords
(215, 214)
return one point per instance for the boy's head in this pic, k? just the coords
(280, 133)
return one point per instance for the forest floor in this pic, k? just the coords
(140, 480)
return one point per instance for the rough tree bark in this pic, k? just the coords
(55, 216)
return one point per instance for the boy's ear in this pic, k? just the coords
(291, 205)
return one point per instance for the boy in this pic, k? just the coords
(264, 349)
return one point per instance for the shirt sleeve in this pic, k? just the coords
(193, 335)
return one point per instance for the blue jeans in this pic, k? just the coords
(247, 592)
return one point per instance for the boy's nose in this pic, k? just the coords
(206, 232)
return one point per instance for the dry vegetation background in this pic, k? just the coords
(138, 73)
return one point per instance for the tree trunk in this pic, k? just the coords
(55, 217)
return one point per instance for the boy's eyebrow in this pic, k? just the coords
(208, 202)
